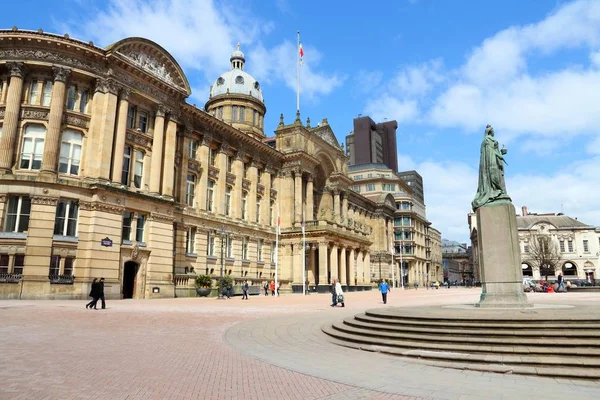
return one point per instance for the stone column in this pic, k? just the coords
(202, 155)
(221, 163)
(183, 171)
(298, 196)
(297, 266)
(351, 270)
(367, 267)
(169, 161)
(11, 117)
(311, 264)
(120, 137)
(253, 177)
(334, 262)
(310, 202)
(57, 105)
(345, 208)
(157, 150)
(285, 197)
(336, 204)
(323, 265)
(343, 270)
(360, 267)
(236, 194)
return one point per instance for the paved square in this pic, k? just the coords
(263, 348)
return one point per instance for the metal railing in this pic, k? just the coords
(10, 278)
(62, 279)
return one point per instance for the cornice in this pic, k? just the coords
(101, 207)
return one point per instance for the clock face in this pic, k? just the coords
(239, 79)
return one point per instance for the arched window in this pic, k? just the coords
(527, 270)
(33, 147)
(70, 152)
(569, 269)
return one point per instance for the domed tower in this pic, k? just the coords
(236, 98)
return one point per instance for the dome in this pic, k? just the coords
(238, 82)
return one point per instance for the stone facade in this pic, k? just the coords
(106, 171)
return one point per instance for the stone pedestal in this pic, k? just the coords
(500, 258)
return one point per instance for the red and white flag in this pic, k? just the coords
(301, 51)
(278, 225)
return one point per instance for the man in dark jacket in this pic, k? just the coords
(93, 295)
(245, 288)
(101, 293)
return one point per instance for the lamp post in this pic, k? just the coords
(220, 294)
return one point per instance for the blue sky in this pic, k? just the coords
(443, 69)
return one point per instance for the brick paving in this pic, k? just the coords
(176, 349)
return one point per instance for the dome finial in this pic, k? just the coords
(237, 58)
(238, 46)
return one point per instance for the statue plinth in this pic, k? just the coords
(500, 258)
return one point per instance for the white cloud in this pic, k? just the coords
(417, 80)
(388, 107)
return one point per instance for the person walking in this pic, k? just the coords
(339, 293)
(333, 294)
(228, 290)
(272, 288)
(101, 293)
(278, 286)
(245, 290)
(266, 287)
(561, 284)
(384, 288)
(93, 295)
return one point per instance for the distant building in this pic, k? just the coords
(372, 143)
(415, 181)
(455, 261)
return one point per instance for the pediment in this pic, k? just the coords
(153, 59)
(326, 133)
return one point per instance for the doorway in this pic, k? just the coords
(130, 270)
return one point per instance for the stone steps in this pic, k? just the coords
(529, 344)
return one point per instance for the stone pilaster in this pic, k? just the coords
(367, 267)
(336, 204)
(11, 117)
(343, 268)
(169, 159)
(285, 197)
(309, 199)
(202, 156)
(323, 263)
(360, 267)
(183, 172)
(221, 163)
(345, 208)
(117, 169)
(298, 196)
(311, 273)
(57, 105)
(334, 262)
(157, 150)
(351, 268)
(237, 168)
(252, 195)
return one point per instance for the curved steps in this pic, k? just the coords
(533, 345)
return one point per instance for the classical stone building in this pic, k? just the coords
(412, 243)
(106, 171)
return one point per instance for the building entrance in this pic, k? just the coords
(130, 270)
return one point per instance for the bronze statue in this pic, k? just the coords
(491, 189)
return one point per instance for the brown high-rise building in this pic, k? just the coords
(372, 143)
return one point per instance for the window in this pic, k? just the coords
(210, 245)
(19, 264)
(47, 93)
(126, 230)
(244, 204)
(143, 121)
(33, 92)
(83, 101)
(126, 166)
(66, 218)
(139, 231)
(246, 167)
(131, 116)
(259, 244)
(212, 156)
(258, 200)
(562, 246)
(229, 163)
(33, 147)
(17, 214)
(228, 246)
(190, 190)
(245, 248)
(570, 246)
(254, 118)
(586, 247)
(406, 221)
(210, 191)
(370, 187)
(190, 241)
(139, 169)
(71, 97)
(54, 266)
(70, 152)
(4, 263)
(242, 113)
(228, 201)
(356, 188)
(68, 267)
(220, 113)
(234, 113)
(192, 149)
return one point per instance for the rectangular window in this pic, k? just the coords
(370, 187)
(33, 147)
(210, 245)
(220, 113)
(562, 246)
(406, 221)
(126, 166)
(190, 241)
(229, 247)
(259, 244)
(244, 205)
(47, 93)
(139, 231)
(228, 201)
(245, 248)
(17, 214)
(33, 92)
(258, 210)
(570, 246)
(4, 261)
(242, 113)
(68, 267)
(66, 218)
(143, 121)
(19, 264)
(356, 188)
(586, 246)
(212, 156)
(131, 117)
(254, 118)
(54, 266)
(190, 190)
(83, 101)
(70, 152)
(229, 163)
(139, 169)
(127, 221)
(210, 191)
(234, 113)
(71, 97)
(192, 149)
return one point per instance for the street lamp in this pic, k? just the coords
(223, 235)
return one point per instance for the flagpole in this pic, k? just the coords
(298, 75)
(393, 266)
(303, 257)
(277, 245)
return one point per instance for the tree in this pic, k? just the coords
(543, 252)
